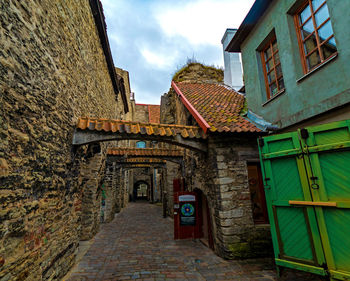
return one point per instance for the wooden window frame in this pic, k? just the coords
(269, 44)
(301, 41)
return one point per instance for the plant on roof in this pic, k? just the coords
(199, 72)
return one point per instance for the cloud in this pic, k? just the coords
(154, 38)
(157, 59)
(201, 21)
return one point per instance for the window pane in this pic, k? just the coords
(277, 58)
(274, 46)
(281, 83)
(332, 41)
(273, 89)
(268, 53)
(313, 60)
(269, 65)
(328, 49)
(305, 14)
(279, 70)
(271, 76)
(317, 3)
(321, 15)
(310, 44)
(307, 29)
(325, 31)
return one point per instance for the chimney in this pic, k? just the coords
(233, 75)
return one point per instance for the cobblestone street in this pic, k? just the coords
(138, 244)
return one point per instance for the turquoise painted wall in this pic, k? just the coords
(320, 91)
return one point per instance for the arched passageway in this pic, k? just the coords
(215, 163)
(141, 191)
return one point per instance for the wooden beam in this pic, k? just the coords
(82, 137)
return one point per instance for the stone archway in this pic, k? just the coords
(141, 190)
(92, 130)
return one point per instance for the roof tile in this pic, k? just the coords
(130, 127)
(218, 105)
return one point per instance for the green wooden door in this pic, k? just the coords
(307, 184)
(327, 157)
(295, 233)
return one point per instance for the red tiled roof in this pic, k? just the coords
(144, 151)
(154, 113)
(130, 127)
(214, 106)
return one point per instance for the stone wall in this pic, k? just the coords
(173, 171)
(222, 176)
(131, 103)
(53, 71)
(110, 184)
(92, 173)
(119, 189)
(237, 236)
(141, 113)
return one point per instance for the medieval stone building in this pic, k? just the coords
(227, 178)
(55, 66)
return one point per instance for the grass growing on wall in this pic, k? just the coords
(194, 70)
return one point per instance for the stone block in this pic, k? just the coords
(234, 213)
(228, 204)
(222, 165)
(226, 195)
(225, 180)
(220, 158)
(4, 168)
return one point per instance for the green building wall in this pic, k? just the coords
(306, 96)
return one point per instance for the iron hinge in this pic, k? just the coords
(304, 133)
(261, 142)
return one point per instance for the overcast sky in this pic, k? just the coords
(152, 39)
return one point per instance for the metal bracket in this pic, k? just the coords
(304, 133)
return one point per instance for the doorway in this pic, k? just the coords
(205, 220)
(141, 191)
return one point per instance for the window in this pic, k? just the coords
(315, 34)
(272, 68)
(140, 144)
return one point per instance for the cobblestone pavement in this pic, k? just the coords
(138, 244)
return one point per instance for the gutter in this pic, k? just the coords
(259, 122)
(202, 123)
(97, 12)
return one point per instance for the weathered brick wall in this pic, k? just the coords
(52, 71)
